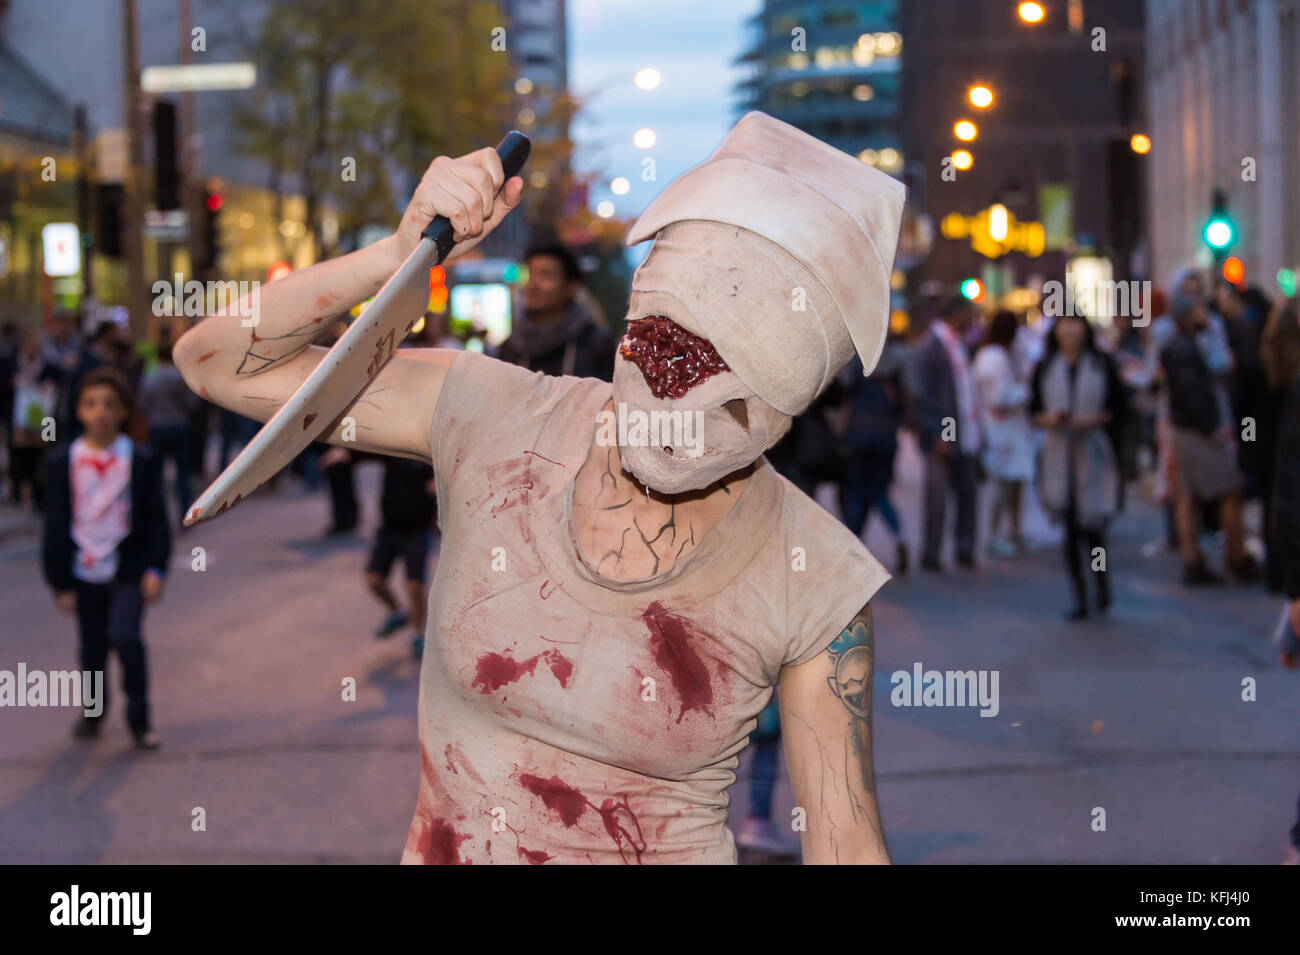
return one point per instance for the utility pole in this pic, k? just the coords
(85, 193)
(191, 191)
(137, 302)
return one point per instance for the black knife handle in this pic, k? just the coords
(513, 151)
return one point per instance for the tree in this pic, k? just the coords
(388, 84)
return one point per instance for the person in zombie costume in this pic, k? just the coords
(615, 600)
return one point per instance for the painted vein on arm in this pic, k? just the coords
(254, 362)
(825, 774)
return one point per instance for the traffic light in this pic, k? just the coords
(437, 290)
(1234, 270)
(110, 202)
(1219, 232)
(208, 249)
(1286, 281)
(166, 174)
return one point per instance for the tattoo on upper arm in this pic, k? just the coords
(852, 654)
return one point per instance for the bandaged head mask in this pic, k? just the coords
(692, 420)
(776, 251)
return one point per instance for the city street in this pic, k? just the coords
(1141, 715)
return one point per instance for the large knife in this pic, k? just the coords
(348, 368)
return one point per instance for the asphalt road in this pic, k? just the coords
(1140, 715)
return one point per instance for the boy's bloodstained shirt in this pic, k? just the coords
(567, 717)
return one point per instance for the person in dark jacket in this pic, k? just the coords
(107, 542)
(169, 405)
(948, 430)
(1281, 360)
(405, 530)
(1204, 445)
(1281, 354)
(555, 333)
(875, 412)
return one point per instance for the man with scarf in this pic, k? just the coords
(556, 334)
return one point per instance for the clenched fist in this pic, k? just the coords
(468, 191)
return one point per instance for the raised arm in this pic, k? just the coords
(253, 369)
(826, 724)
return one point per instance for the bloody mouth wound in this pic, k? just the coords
(671, 358)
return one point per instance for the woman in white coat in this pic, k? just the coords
(1003, 395)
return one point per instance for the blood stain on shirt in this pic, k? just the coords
(556, 794)
(560, 665)
(570, 803)
(544, 458)
(495, 670)
(439, 843)
(670, 644)
(453, 754)
(534, 856)
(609, 815)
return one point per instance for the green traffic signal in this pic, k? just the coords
(1219, 233)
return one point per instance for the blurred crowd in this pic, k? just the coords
(1197, 409)
(1189, 407)
(1194, 407)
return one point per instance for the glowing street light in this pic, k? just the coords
(1031, 12)
(523, 86)
(644, 138)
(965, 130)
(962, 159)
(1140, 144)
(647, 79)
(605, 209)
(998, 224)
(981, 97)
(620, 186)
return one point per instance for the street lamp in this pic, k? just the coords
(965, 130)
(962, 159)
(647, 79)
(620, 186)
(605, 209)
(1031, 12)
(999, 223)
(1140, 143)
(644, 138)
(981, 97)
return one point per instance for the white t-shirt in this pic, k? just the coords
(567, 717)
(101, 506)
